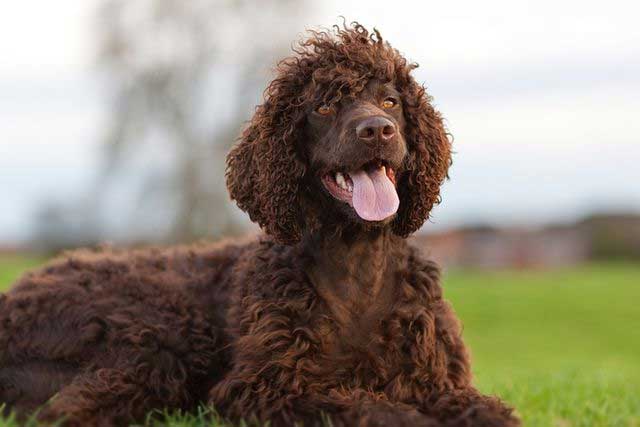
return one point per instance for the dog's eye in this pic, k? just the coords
(389, 103)
(323, 110)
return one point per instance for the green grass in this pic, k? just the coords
(562, 346)
(12, 266)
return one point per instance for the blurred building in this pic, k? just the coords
(598, 237)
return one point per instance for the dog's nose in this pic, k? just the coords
(375, 128)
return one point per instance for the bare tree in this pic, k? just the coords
(184, 76)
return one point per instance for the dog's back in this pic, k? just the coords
(167, 303)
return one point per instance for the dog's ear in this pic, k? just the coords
(428, 161)
(264, 174)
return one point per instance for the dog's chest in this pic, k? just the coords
(356, 321)
(360, 347)
(353, 315)
(352, 331)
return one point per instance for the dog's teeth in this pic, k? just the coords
(341, 181)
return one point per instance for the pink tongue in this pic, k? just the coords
(374, 195)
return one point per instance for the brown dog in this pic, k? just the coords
(332, 312)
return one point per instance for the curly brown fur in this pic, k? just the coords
(267, 170)
(330, 313)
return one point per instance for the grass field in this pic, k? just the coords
(562, 346)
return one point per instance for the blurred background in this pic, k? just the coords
(115, 117)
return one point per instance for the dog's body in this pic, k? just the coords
(332, 313)
(139, 330)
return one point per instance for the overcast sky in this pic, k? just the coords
(542, 98)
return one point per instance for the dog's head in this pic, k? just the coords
(345, 137)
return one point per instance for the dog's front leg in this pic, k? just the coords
(267, 382)
(376, 412)
(256, 404)
(468, 408)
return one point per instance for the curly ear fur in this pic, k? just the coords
(428, 162)
(265, 174)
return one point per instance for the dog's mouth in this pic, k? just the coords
(369, 190)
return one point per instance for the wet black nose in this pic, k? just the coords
(375, 128)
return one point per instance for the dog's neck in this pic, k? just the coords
(354, 271)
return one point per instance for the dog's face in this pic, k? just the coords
(345, 137)
(356, 147)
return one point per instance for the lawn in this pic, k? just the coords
(12, 266)
(562, 346)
